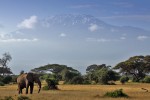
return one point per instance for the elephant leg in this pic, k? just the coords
(31, 88)
(19, 89)
(27, 86)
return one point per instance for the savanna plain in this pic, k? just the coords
(81, 92)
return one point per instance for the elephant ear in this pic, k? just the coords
(30, 77)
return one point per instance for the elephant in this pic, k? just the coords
(27, 80)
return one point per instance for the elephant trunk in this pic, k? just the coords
(39, 83)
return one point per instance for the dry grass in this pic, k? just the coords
(82, 92)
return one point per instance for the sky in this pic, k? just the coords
(31, 44)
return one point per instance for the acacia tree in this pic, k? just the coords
(137, 66)
(101, 74)
(4, 63)
(92, 69)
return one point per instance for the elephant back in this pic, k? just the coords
(30, 77)
(21, 78)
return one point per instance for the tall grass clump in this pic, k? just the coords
(116, 94)
(7, 98)
(23, 98)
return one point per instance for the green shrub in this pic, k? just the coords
(86, 82)
(8, 98)
(14, 78)
(146, 79)
(23, 98)
(77, 80)
(2, 84)
(124, 79)
(51, 81)
(52, 84)
(1, 78)
(45, 88)
(7, 79)
(115, 94)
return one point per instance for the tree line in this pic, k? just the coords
(136, 68)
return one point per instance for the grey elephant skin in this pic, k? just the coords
(27, 80)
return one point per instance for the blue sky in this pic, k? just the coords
(32, 45)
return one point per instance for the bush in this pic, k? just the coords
(2, 84)
(23, 98)
(8, 98)
(45, 88)
(14, 79)
(77, 80)
(124, 79)
(51, 83)
(115, 94)
(7, 79)
(1, 78)
(86, 82)
(146, 79)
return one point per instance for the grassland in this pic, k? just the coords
(82, 92)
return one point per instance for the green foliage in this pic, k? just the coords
(4, 64)
(1, 78)
(95, 67)
(124, 79)
(23, 98)
(101, 74)
(86, 82)
(14, 78)
(7, 79)
(58, 72)
(51, 84)
(146, 79)
(1, 83)
(116, 94)
(77, 80)
(52, 81)
(54, 68)
(5, 70)
(45, 88)
(67, 75)
(8, 98)
(137, 66)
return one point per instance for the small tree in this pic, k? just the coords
(146, 79)
(52, 84)
(7, 79)
(124, 79)
(104, 75)
(4, 63)
(77, 80)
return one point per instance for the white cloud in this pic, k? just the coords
(128, 17)
(28, 23)
(103, 40)
(122, 38)
(4, 35)
(113, 30)
(18, 40)
(63, 35)
(82, 6)
(142, 37)
(93, 27)
(123, 4)
(98, 40)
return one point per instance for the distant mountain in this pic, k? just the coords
(81, 27)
